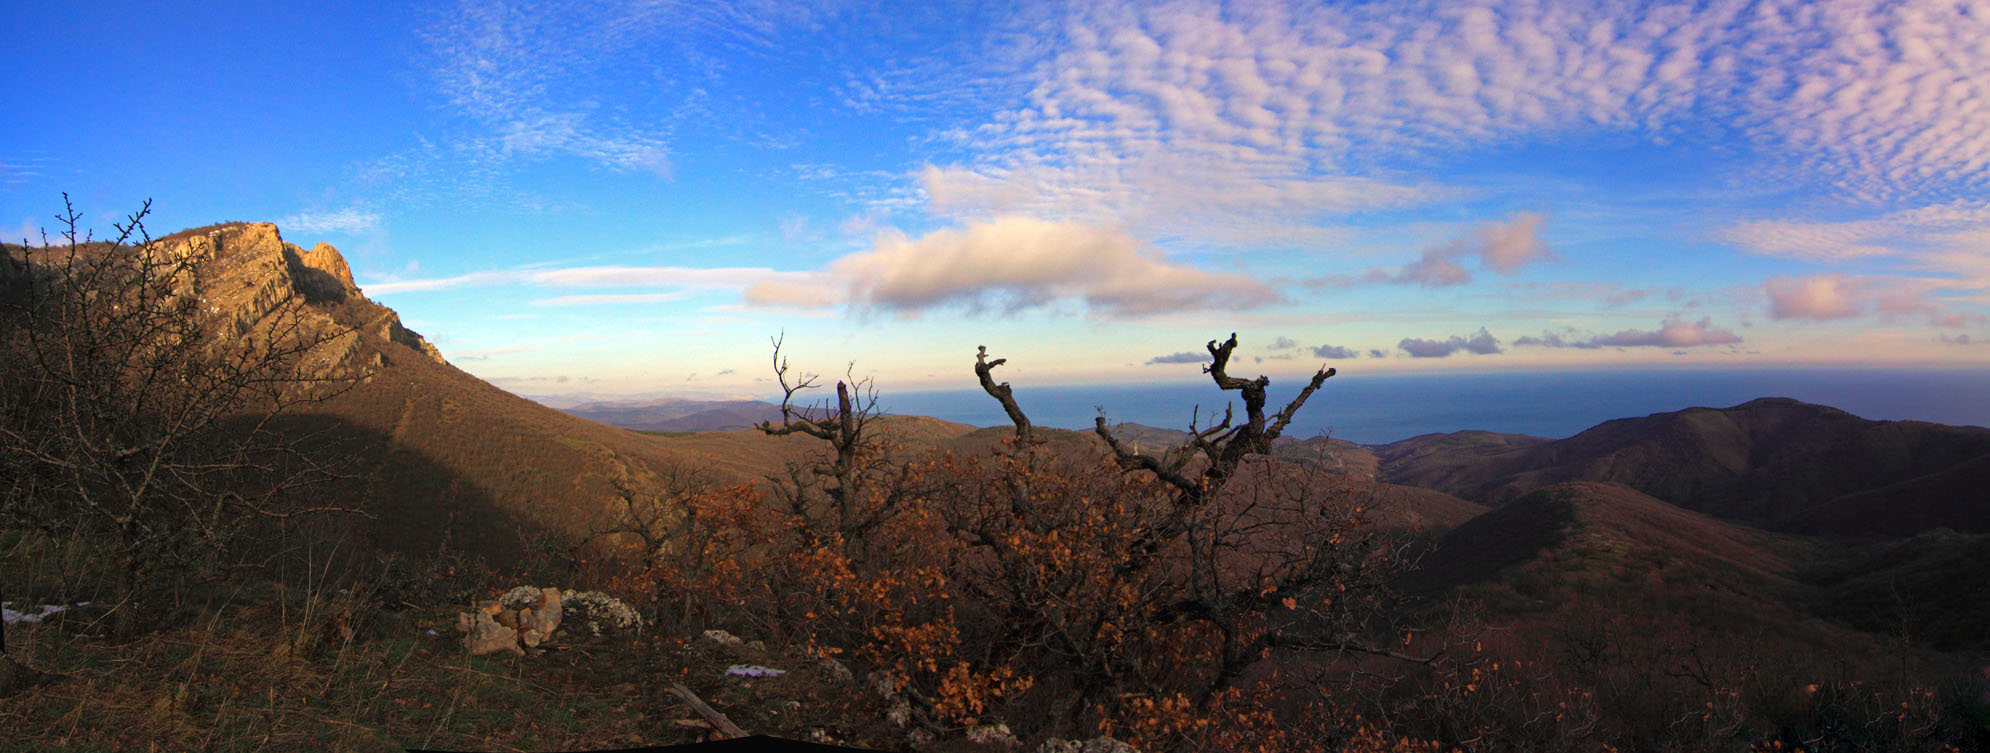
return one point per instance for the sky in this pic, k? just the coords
(635, 198)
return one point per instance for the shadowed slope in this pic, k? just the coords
(1602, 521)
(1774, 462)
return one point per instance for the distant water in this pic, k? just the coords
(1376, 409)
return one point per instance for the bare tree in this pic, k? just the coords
(1219, 537)
(859, 487)
(134, 415)
(1223, 446)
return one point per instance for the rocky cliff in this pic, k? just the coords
(258, 285)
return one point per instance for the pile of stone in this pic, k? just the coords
(526, 617)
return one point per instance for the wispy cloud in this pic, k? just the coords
(473, 279)
(348, 220)
(607, 299)
(21, 168)
(604, 276)
(1007, 264)
(1608, 294)
(523, 71)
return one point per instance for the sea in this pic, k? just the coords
(1383, 408)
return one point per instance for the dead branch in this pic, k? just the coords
(718, 720)
(984, 370)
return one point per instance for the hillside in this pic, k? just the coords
(1601, 522)
(433, 453)
(1775, 462)
(1618, 579)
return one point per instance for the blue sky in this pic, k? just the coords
(633, 198)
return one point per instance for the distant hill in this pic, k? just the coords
(679, 414)
(1775, 462)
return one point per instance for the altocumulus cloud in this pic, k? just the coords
(1014, 263)
(1481, 343)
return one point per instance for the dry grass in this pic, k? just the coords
(321, 662)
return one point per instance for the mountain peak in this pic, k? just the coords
(253, 276)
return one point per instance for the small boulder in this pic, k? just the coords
(483, 635)
(549, 610)
(1094, 745)
(992, 734)
(835, 670)
(724, 638)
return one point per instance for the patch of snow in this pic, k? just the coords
(752, 670)
(43, 612)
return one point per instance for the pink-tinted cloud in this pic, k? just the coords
(1833, 296)
(1812, 297)
(1498, 246)
(1674, 332)
(1013, 263)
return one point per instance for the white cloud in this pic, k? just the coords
(604, 83)
(687, 277)
(1013, 263)
(29, 233)
(607, 300)
(603, 276)
(470, 280)
(347, 220)
(1950, 240)
(1007, 264)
